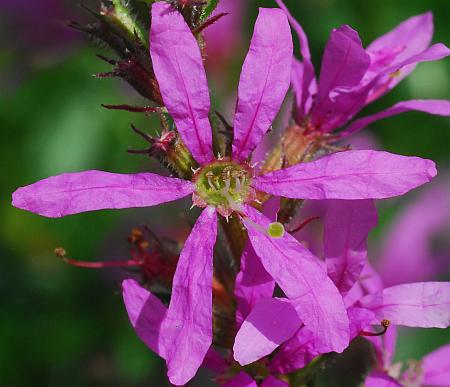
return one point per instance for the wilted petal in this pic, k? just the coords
(178, 66)
(436, 367)
(72, 193)
(303, 279)
(431, 106)
(306, 87)
(344, 64)
(364, 174)
(253, 283)
(379, 379)
(270, 323)
(271, 381)
(264, 81)
(146, 313)
(422, 304)
(296, 352)
(347, 226)
(186, 333)
(242, 379)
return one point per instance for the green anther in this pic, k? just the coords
(275, 230)
(223, 184)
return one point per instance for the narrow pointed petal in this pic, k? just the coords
(146, 313)
(178, 66)
(271, 381)
(303, 279)
(242, 379)
(379, 379)
(436, 367)
(270, 323)
(186, 333)
(72, 193)
(431, 106)
(347, 227)
(348, 175)
(388, 77)
(253, 283)
(343, 66)
(264, 81)
(409, 38)
(421, 304)
(307, 86)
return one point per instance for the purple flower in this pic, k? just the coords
(228, 185)
(271, 322)
(352, 77)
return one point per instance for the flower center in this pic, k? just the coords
(223, 184)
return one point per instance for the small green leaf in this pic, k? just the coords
(209, 9)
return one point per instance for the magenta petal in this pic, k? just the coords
(369, 282)
(303, 279)
(379, 379)
(421, 304)
(359, 319)
(178, 66)
(362, 174)
(347, 226)
(264, 81)
(242, 379)
(410, 37)
(270, 323)
(343, 66)
(271, 381)
(253, 283)
(436, 367)
(431, 106)
(307, 86)
(72, 193)
(296, 352)
(146, 313)
(186, 333)
(384, 347)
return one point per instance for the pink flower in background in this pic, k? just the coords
(408, 254)
(432, 370)
(352, 77)
(224, 36)
(228, 185)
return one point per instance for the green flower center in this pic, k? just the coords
(224, 184)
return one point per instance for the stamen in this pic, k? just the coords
(384, 324)
(304, 223)
(61, 253)
(275, 230)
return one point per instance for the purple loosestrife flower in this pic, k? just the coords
(228, 185)
(352, 77)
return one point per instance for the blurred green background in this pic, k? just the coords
(66, 326)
